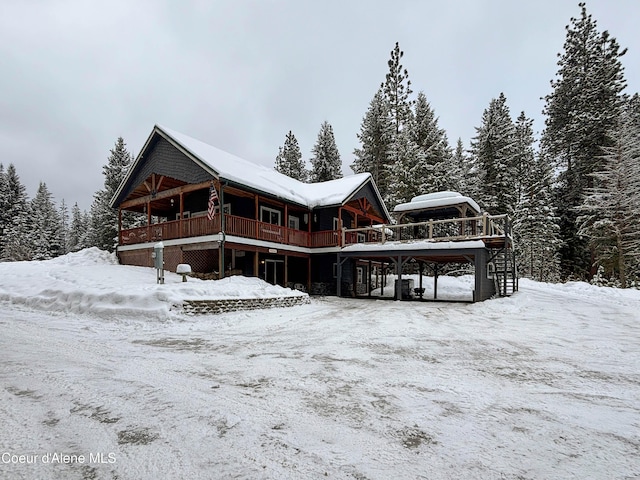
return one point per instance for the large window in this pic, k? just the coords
(270, 215)
(294, 222)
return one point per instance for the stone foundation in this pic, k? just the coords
(208, 307)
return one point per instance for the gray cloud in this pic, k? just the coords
(241, 74)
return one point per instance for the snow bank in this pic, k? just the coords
(92, 281)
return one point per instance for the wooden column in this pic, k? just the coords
(119, 226)
(286, 269)
(256, 265)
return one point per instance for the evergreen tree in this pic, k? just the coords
(16, 239)
(406, 176)
(63, 214)
(524, 154)
(376, 134)
(494, 151)
(397, 88)
(103, 228)
(535, 225)
(289, 160)
(610, 215)
(464, 176)
(4, 203)
(45, 237)
(77, 230)
(582, 108)
(326, 164)
(432, 141)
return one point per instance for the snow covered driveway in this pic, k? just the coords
(545, 384)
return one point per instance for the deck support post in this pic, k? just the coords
(398, 294)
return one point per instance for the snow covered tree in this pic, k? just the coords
(289, 160)
(406, 176)
(375, 137)
(63, 214)
(432, 141)
(494, 151)
(45, 237)
(326, 164)
(580, 111)
(77, 236)
(610, 213)
(524, 154)
(103, 229)
(464, 176)
(16, 238)
(397, 89)
(4, 203)
(535, 225)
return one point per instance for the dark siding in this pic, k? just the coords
(368, 192)
(162, 158)
(324, 218)
(322, 280)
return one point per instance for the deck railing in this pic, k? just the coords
(236, 226)
(455, 229)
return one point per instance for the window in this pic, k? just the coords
(336, 223)
(184, 215)
(226, 209)
(294, 222)
(335, 270)
(361, 237)
(270, 215)
(360, 272)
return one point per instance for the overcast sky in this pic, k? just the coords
(239, 74)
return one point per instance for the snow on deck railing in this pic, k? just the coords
(469, 228)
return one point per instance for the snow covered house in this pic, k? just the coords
(271, 226)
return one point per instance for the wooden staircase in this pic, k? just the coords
(505, 276)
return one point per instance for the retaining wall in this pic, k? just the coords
(234, 305)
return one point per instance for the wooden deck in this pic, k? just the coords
(493, 230)
(235, 226)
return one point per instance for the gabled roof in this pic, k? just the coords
(231, 168)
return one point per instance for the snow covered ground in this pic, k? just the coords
(102, 377)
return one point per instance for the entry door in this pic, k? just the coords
(274, 271)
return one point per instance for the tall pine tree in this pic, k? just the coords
(325, 162)
(535, 223)
(103, 229)
(77, 236)
(610, 213)
(16, 239)
(45, 238)
(436, 173)
(494, 151)
(375, 136)
(580, 112)
(289, 160)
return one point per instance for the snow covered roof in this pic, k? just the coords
(268, 180)
(436, 200)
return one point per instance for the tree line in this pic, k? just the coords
(37, 229)
(573, 195)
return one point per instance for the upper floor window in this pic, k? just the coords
(270, 215)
